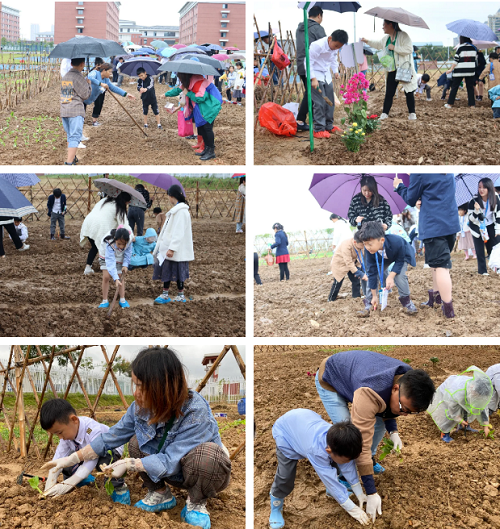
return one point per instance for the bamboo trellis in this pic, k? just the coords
(289, 348)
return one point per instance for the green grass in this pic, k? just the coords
(374, 348)
(77, 400)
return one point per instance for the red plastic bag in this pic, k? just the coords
(279, 57)
(184, 128)
(269, 259)
(277, 119)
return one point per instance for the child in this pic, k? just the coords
(493, 373)
(75, 89)
(239, 210)
(445, 82)
(381, 251)
(114, 257)
(492, 71)
(146, 87)
(142, 249)
(323, 56)
(174, 248)
(331, 450)
(230, 78)
(465, 241)
(10, 228)
(21, 230)
(348, 259)
(494, 95)
(205, 102)
(459, 400)
(282, 255)
(160, 218)
(423, 84)
(58, 417)
(239, 81)
(56, 210)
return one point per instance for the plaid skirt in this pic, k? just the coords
(171, 271)
(283, 259)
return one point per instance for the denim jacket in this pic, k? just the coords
(195, 426)
(95, 83)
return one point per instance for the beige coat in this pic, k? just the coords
(403, 55)
(496, 72)
(345, 260)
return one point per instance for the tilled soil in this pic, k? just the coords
(44, 291)
(439, 137)
(118, 141)
(90, 508)
(436, 486)
(299, 307)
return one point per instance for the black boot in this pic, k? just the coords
(365, 313)
(447, 309)
(433, 298)
(64, 237)
(52, 237)
(408, 305)
(203, 152)
(209, 155)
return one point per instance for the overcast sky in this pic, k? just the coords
(435, 14)
(190, 355)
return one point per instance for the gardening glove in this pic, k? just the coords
(52, 478)
(63, 462)
(396, 440)
(373, 505)
(63, 488)
(357, 489)
(123, 465)
(356, 512)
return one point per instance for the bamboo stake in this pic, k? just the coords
(41, 398)
(206, 378)
(103, 382)
(129, 115)
(48, 356)
(239, 360)
(113, 376)
(19, 400)
(47, 374)
(5, 379)
(90, 194)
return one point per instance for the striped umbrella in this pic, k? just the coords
(466, 185)
(113, 188)
(13, 203)
(21, 179)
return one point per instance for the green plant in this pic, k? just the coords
(406, 360)
(232, 425)
(388, 448)
(372, 124)
(353, 138)
(434, 360)
(34, 482)
(491, 434)
(356, 100)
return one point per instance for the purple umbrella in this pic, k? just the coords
(334, 192)
(130, 66)
(162, 180)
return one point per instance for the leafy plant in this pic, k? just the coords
(491, 434)
(356, 100)
(34, 482)
(232, 425)
(353, 138)
(434, 360)
(388, 448)
(406, 360)
(372, 123)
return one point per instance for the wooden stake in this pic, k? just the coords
(206, 378)
(103, 382)
(113, 376)
(19, 401)
(239, 360)
(237, 451)
(90, 195)
(129, 115)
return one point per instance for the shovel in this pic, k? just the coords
(129, 115)
(23, 474)
(328, 102)
(122, 279)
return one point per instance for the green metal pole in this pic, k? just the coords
(308, 75)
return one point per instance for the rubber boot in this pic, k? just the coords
(199, 144)
(209, 155)
(365, 313)
(408, 305)
(447, 309)
(201, 152)
(430, 303)
(467, 428)
(276, 520)
(446, 438)
(333, 292)
(201, 148)
(64, 237)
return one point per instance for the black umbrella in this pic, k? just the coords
(86, 47)
(204, 59)
(188, 66)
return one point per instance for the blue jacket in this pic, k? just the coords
(398, 251)
(439, 211)
(95, 83)
(281, 243)
(142, 249)
(50, 203)
(493, 93)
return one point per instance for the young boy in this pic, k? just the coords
(423, 84)
(494, 95)
(348, 259)
(303, 434)
(58, 417)
(21, 229)
(381, 251)
(493, 373)
(160, 218)
(75, 89)
(146, 87)
(323, 56)
(56, 210)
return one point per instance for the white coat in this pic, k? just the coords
(176, 234)
(403, 56)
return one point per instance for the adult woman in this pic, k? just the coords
(106, 215)
(282, 255)
(239, 210)
(173, 439)
(136, 214)
(341, 231)
(400, 47)
(463, 69)
(484, 221)
(369, 205)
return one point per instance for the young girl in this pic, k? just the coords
(465, 241)
(239, 210)
(230, 77)
(174, 248)
(173, 440)
(204, 103)
(114, 257)
(282, 255)
(239, 81)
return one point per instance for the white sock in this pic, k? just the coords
(122, 300)
(104, 300)
(88, 267)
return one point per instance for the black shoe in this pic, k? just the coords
(75, 160)
(210, 154)
(304, 126)
(203, 152)
(72, 163)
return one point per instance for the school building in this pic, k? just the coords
(221, 23)
(140, 34)
(494, 23)
(91, 19)
(9, 23)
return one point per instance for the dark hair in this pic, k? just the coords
(55, 410)
(165, 387)
(407, 215)
(371, 230)
(490, 186)
(243, 179)
(156, 210)
(335, 216)
(139, 187)
(98, 61)
(278, 226)
(417, 386)
(229, 68)
(426, 77)
(464, 207)
(357, 237)
(105, 66)
(140, 70)
(118, 234)
(493, 55)
(18, 219)
(185, 79)
(339, 35)
(77, 62)
(175, 191)
(57, 192)
(121, 203)
(345, 440)
(238, 63)
(395, 25)
(121, 59)
(315, 11)
(465, 40)
(370, 182)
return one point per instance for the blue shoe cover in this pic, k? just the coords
(345, 483)
(195, 518)
(121, 497)
(158, 507)
(276, 520)
(89, 480)
(162, 301)
(104, 305)
(124, 305)
(468, 428)
(446, 438)
(378, 468)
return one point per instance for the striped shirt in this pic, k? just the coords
(465, 60)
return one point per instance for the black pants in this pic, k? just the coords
(207, 133)
(284, 272)
(304, 105)
(92, 252)
(98, 103)
(228, 94)
(136, 216)
(11, 230)
(115, 76)
(479, 245)
(390, 92)
(469, 83)
(256, 275)
(103, 460)
(163, 77)
(180, 285)
(337, 285)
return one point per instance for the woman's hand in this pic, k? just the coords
(359, 219)
(396, 182)
(123, 465)
(170, 254)
(391, 47)
(477, 207)
(131, 96)
(364, 40)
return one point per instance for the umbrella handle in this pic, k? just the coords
(130, 116)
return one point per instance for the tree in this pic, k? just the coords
(4, 41)
(62, 360)
(121, 366)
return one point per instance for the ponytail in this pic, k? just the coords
(175, 191)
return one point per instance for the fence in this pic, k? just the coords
(208, 197)
(228, 391)
(291, 348)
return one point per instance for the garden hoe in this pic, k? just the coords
(23, 474)
(115, 298)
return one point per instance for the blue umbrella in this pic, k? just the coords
(263, 34)
(339, 7)
(466, 185)
(167, 52)
(13, 203)
(130, 67)
(21, 179)
(472, 29)
(213, 47)
(178, 53)
(202, 58)
(143, 51)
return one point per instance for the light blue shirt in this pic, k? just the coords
(114, 255)
(301, 434)
(95, 82)
(195, 426)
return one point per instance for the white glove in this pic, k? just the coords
(373, 505)
(63, 488)
(356, 512)
(63, 462)
(396, 440)
(123, 465)
(357, 489)
(52, 478)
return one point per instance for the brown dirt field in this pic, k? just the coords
(118, 141)
(44, 291)
(461, 136)
(287, 308)
(437, 486)
(88, 508)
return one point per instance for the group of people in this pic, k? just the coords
(380, 390)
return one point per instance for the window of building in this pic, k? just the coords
(223, 34)
(80, 11)
(80, 3)
(224, 15)
(154, 34)
(225, 6)
(223, 24)
(79, 30)
(79, 20)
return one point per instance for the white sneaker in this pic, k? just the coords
(84, 138)
(154, 497)
(412, 117)
(448, 106)
(429, 99)
(88, 270)
(198, 507)
(24, 248)
(82, 146)
(485, 274)
(383, 116)
(426, 266)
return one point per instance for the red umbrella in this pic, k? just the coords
(238, 175)
(231, 48)
(179, 46)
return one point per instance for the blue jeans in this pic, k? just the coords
(336, 407)
(74, 130)
(239, 226)
(496, 112)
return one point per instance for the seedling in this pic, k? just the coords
(388, 448)
(406, 360)
(491, 434)
(108, 486)
(34, 482)
(434, 360)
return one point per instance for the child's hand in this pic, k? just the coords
(364, 278)
(396, 182)
(374, 303)
(170, 253)
(124, 270)
(105, 86)
(118, 283)
(359, 219)
(185, 91)
(131, 96)
(389, 283)
(314, 83)
(497, 98)
(486, 430)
